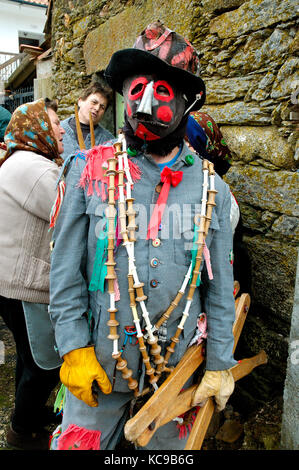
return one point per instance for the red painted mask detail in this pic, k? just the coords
(137, 88)
(143, 133)
(163, 91)
(165, 114)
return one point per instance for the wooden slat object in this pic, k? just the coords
(205, 413)
(169, 402)
(149, 415)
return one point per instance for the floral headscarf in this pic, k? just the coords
(30, 129)
(207, 140)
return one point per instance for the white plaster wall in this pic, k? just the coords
(16, 17)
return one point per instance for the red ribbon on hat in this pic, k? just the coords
(168, 177)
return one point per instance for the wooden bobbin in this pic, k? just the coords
(155, 350)
(165, 316)
(204, 224)
(113, 324)
(122, 221)
(131, 227)
(170, 349)
(126, 373)
(150, 371)
(142, 348)
(139, 292)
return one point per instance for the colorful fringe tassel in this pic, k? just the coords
(188, 421)
(57, 204)
(96, 167)
(78, 438)
(60, 400)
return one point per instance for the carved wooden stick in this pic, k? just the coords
(169, 402)
(92, 138)
(79, 130)
(131, 227)
(149, 369)
(111, 277)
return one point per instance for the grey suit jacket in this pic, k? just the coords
(79, 224)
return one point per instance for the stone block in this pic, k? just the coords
(121, 30)
(239, 113)
(250, 143)
(287, 79)
(275, 191)
(273, 270)
(81, 27)
(230, 89)
(252, 16)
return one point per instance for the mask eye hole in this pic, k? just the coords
(137, 88)
(163, 91)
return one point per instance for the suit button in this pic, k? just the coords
(154, 283)
(154, 262)
(156, 242)
(158, 187)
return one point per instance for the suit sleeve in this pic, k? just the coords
(218, 296)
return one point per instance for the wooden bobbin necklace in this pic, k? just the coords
(118, 164)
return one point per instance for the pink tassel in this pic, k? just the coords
(78, 438)
(118, 234)
(206, 254)
(134, 171)
(116, 290)
(202, 327)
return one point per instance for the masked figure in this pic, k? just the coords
(95, 283)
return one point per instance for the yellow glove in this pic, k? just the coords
(78, 371)
(215, 383)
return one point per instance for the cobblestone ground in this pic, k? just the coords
(7, 377)
(7, 383)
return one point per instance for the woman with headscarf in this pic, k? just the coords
(28, 175)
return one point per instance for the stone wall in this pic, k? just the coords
(249, 64)
(249, 59)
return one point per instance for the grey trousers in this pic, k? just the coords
(110, 417)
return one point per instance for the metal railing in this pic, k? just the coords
(9, 62)
(18, 97)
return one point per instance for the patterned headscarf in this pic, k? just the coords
(30, 129)
(207, 140)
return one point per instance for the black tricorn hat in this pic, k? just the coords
(159, 50)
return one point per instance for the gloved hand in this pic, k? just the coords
(78, 371)
(217, 383)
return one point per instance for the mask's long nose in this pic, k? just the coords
(145, 106)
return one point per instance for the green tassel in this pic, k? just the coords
(60, 399)
(99, 268)
(193, 255)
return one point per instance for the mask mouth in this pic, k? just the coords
(144, 119)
